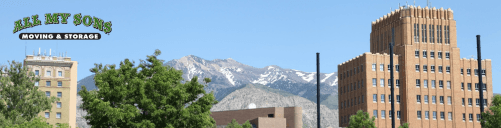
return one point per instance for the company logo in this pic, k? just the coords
(53, 18)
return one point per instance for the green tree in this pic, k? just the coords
(405, 125)
(362, 120)
(492, 117)
(233, 124)
(20, 99)
(147, 95)
(247, 124)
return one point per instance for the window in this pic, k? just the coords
(47, 83)
(484, 87)
(434, 115)
(417, 67)
(462, 101)
(439, 33)
(432, 68)
(432, 54)
(48, 73)
(37, 72)
(476, 72)
(469, 86)
(425, 68)
(416, 53)
(442, 115)
(432, 33)
(389, 114)
(381, 67)
(425, 98)
(476, 86)
(389, 98)
(36, 83)
(441, 99)
(47, 93)
(448, 69)
(374, 98)
(418, 97)
(59, 94)
(416, 33)
(58, 115)
(397, 67)
(59, 73)
(374, 113)
(423, 32)
(448, 84)
(462, 86)
(468, 71)
(433, 84)
(471, 117)
(382, 98)
(398, 98)
(441, 84)
(469, 102)
(440, 69)
(485, 102)
(271, 115)
(439, 55)
(426, 114)
(478, 118)
(362, 98)
(418, 83)
(47, 115)
(433, 99)
(424, 54)
(419, 114)
(398, 114)
(59, 84)
(483, 72)
(449, 100)
(389, 82)
(464, 117)
(381, 82)
(477, 102)
(374, 82)
(462, 71)
(58, 104)
(397, 83)
(425, 83)
(383, 114)
(373, 67)
(447, 55)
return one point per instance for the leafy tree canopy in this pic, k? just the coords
(492, 117)
(362, 120)
(20, 99)
(146, 95)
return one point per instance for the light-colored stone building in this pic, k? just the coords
(435, 88)
(58, 77)
(275, 117)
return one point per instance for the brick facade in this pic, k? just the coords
(432, 78)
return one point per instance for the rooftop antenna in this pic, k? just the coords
(38, 51)
(414, 2)
(50, 52)
(427, 2)
(45, 52)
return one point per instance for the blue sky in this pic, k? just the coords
(257, 33)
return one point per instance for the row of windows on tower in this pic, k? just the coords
(346, 119)
(375, 98)
(434, 115)
(351, 87)
(477, 101)
(49, 73)
(432, 68)
(468, 72)
(432, 54)
(352, 102)
(48, 83)
(381, 82)
(431, 33)
(381, 67)
(484, 86)
(352, 72)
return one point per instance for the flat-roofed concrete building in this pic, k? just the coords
(275, 117)
(58, 77)
(435, 88)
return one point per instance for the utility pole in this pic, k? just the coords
(318, 90)
(391, 77)
(479, 71)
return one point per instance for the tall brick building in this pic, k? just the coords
(58, 78)
(434, 86)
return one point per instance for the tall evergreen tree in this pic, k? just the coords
(492, 117)
(147, 95)
(20, 99)
(362, 120)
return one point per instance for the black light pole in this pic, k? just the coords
(479, 71)
(318, 90)
(391, 77)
